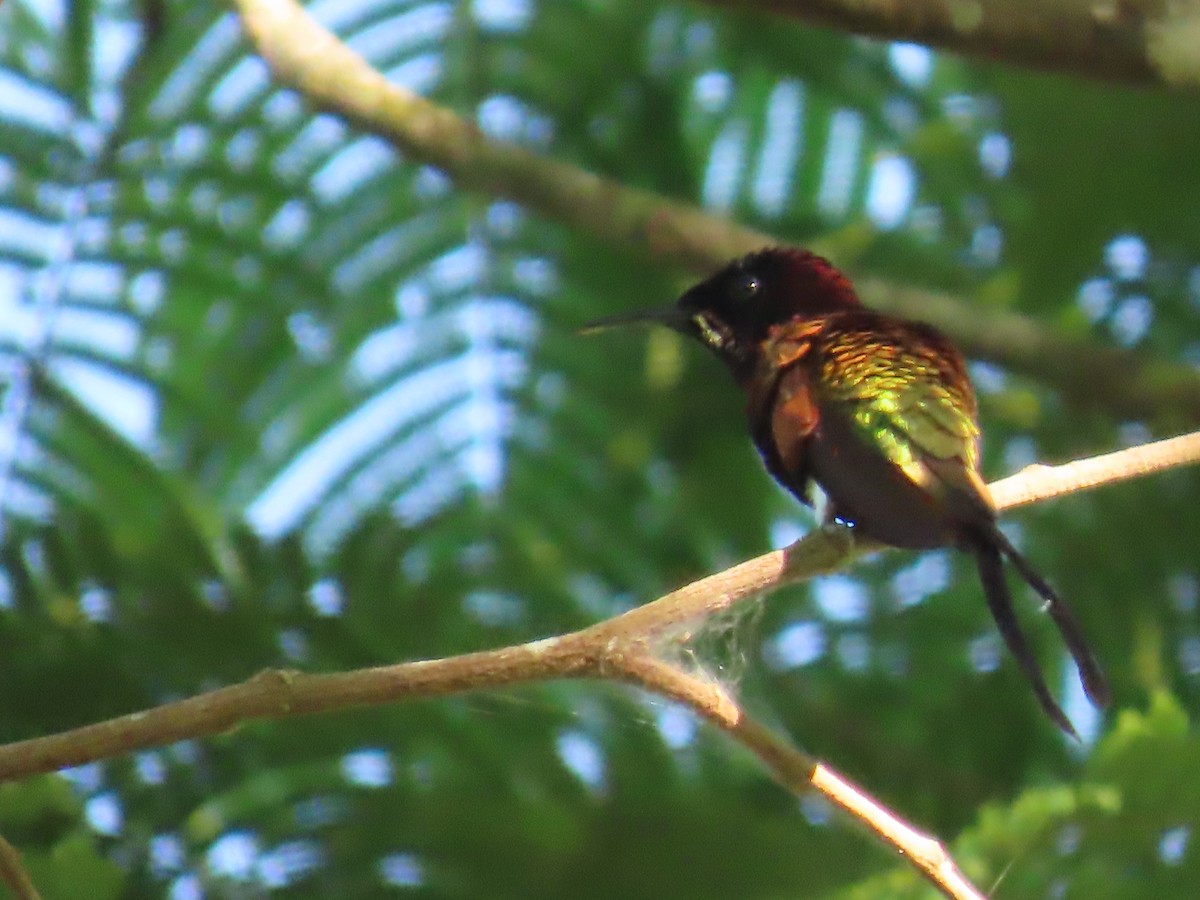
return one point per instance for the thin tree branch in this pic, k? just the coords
(13, 874)
(623, 648)
(927, 853)
(799, 772)
(1041, 482)
(278, 694)
(306, 56)
(1132, 41)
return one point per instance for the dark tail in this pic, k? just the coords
(1095, 685)
(999, 601)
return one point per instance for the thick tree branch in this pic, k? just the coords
(308, 57)
(622, 648)
(1134, 41)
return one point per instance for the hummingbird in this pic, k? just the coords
(877, 410)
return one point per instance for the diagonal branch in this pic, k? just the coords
(1134, 41)
(799, 772)
(308, 57)
(1041, 482)
(621, 648)
(13, 874)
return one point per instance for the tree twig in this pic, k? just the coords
(13, 874)
(308, 57)
(1041, 482)
(623, 648)
(1134, 41)
(799, 772)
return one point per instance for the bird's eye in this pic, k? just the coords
(747, 286)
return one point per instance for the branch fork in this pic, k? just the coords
(623, 648)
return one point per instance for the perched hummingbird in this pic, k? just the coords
(878, 411)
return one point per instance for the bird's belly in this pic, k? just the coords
(866, 489)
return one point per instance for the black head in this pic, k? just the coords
(732, 311)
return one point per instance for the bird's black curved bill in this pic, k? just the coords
(670, 316)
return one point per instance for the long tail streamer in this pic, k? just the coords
(995, 588)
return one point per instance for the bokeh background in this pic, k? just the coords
(274, 395)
